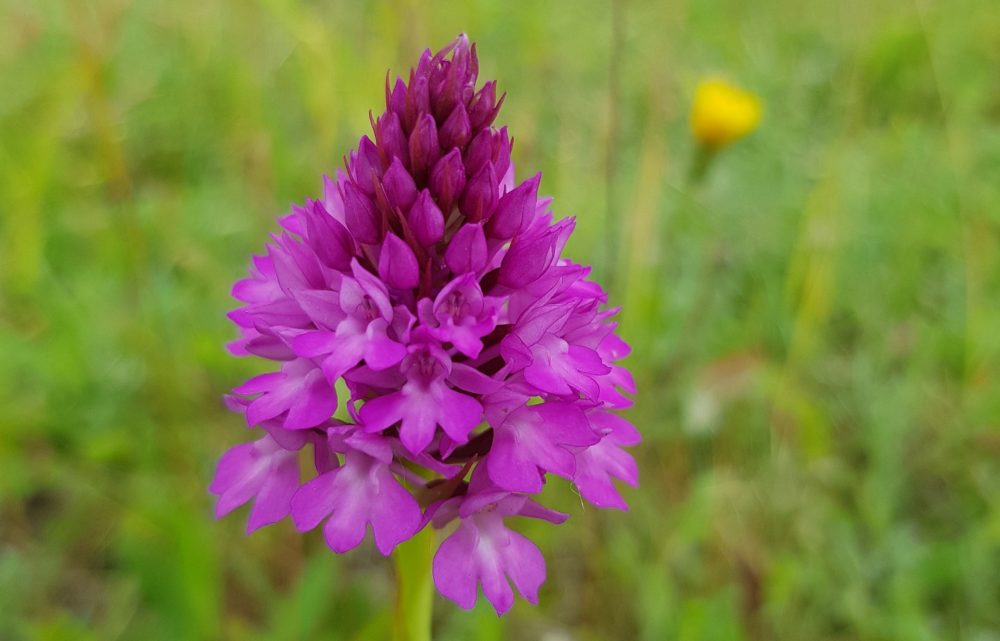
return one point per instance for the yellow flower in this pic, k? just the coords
(723, 113)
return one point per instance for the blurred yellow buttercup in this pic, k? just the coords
(723, 113)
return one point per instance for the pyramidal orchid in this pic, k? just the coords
(477, 360)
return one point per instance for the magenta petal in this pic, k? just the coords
(314, 501)
(483, 550)
(391, 139)
(467, 250)
(456, 129)
(624, 432)
(293, 440)
(472, 380)
(382, 352)
(352, 296)
(347, 351)
(360, 214)
(313, 344)
(397, 264)
(332, 243)
(395, 514)
(367, 285)
(514, 209)
(531, 254)
(546, 379)
(345, 529)
(362, 491)
(419, 420)
(252, 290)
(596, 465)
(373, 445)
(313, 404)
(261, 383)
(484, 106)
(280, 313)
(528, 442)
(448, 179)
(480, 196)
(566, 424)
(467, 341)
(533, 510)
(323, 307)
(379, 413)
(496, 588)
(269, 347)
(599, 490)
(526, 260)
(332, 201)
(511, 466)
(265, 408)
(454, 566)
(399, 186)
(426, 220)
(526, 566)
(299, 389)
(459, 414)
(274, 499)
(262, 470)
(366, 170)
(424, 148)
(237, 478)
(587, 360)
(287, 270)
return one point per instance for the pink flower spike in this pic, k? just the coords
(479, 363)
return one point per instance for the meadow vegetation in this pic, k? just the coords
(815, 321)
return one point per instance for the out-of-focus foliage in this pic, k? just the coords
(816, 323)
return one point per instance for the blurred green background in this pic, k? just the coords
(816, 324)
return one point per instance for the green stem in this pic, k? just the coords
(703, 157)
(414, 589)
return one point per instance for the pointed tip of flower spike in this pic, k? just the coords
(461, 40)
